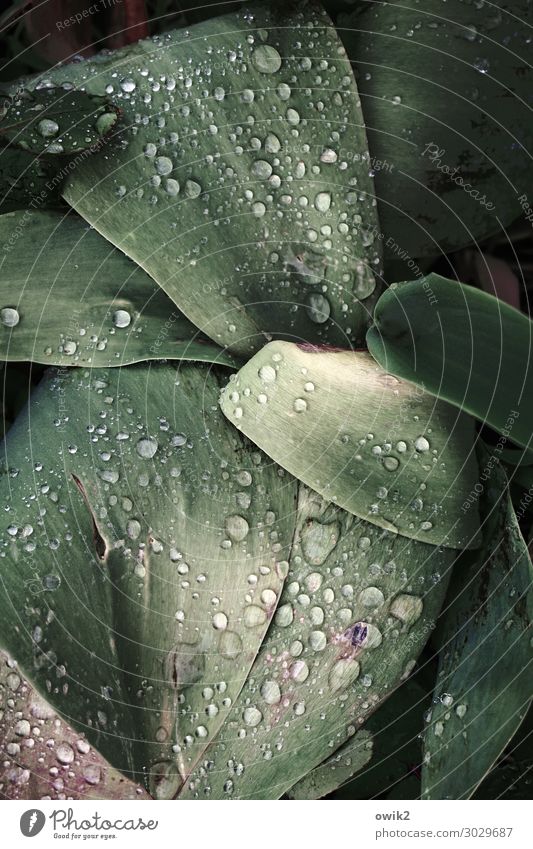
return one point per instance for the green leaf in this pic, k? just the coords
(26, 181)
(377, 446)
(463, 346)
(336, 770)
(54, 122)
(446, 95)
(484, 682)
(67, 297)
(240, 179)
(144, 544)
(44, 758)
(396, 752)
(357, 607)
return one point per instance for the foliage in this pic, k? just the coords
(230, 531)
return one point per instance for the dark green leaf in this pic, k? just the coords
(463, 346)
(484, 682)
(446, 95)
(56, 121)
(240, 179)
(68, 297)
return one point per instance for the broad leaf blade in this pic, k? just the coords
(336, 770)
(445, 89)
(484, 682)
(145, 543)
(356, 609)
(378, 446)
(463, 346)
(240, 181)
(44, 758)
(67, 297)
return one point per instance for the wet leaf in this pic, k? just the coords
(56, 121)
(42, 756)
(339, 768)
(378, 446)
(484, 682)
(463, 346)
(240, 178)
(357, 607)
(144, 544)
(445, 90)
(67, 297)
(396, 727)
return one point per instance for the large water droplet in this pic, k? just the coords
(9, 317)
(266, 59)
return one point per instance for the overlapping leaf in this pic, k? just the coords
(240, 180)
(445, 88)
(358, 605)
(484, 683)
(378, 446)
(462, 345)
(67, 297)
(144, 547)
(43, 758)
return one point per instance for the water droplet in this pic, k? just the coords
(192, 189)
(284, 615)
(267, 374)
(421, 444)
(172, 187)
(220, 621)
(65, 753)
(271, 692)
(163, 165)
(371, 597)
(343, 673)
(230, 645)
(127, 85)
(121, 318)
(252, 716)
(147, 447)
(47, 128)
(266, 59)
(317, 640)
(237, 528)
(318, 308)
(258, 209)
(261, 169)
(9, 317)
(323, 201)
(407, 608)
(299, 671)
(318, 541)
(254, 616)
(300, 405)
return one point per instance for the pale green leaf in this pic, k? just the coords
(377, 446)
